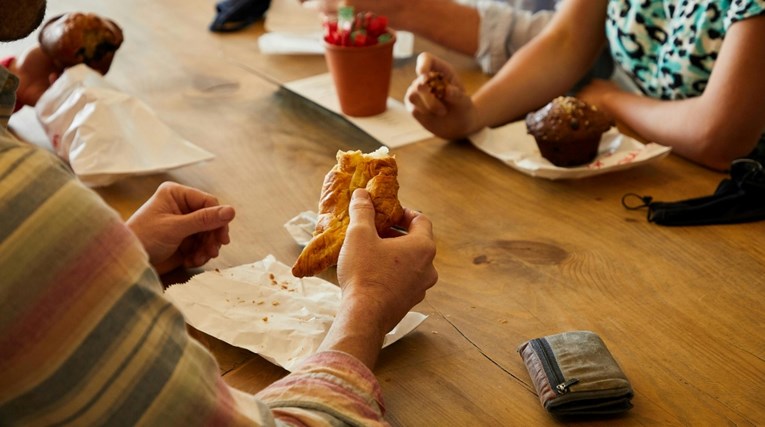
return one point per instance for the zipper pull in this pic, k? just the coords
(562, 388)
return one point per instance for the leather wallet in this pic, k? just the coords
(575, 374)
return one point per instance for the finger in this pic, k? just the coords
(424, 63)
(393, 231)
(411, 100)
(361, 212)
(206, 219)
(196, 254)
(212, 248)
(422, 101)
(428, 99)
(196, 260)
(189, 199)
(222, 235)
(427, 62)
(420, 225)
(453, 95)
(443, 67)
(407, 218)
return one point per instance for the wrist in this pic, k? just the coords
(366, 307)
(356, 331)
(609, 102)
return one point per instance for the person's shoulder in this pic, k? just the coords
(22, 158)
(743, 9)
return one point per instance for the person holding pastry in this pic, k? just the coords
(64, 41)
(87, 337)
(700, 90)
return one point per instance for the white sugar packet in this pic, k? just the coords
(263, 308)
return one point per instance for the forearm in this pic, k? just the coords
(355, 332)
(725, 121)
(530, 79)
(695, 129)
(546, 67)
(450, 24)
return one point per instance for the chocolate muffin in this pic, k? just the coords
(568, 130)
(77, 38)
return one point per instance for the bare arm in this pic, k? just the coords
(547, 66)
(381, 279)
(722, 124)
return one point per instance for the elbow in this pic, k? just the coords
(718, 146)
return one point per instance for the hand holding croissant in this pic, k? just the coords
(377, 172)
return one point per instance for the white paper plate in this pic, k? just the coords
(512, 145)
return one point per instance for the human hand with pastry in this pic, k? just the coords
(181, 226)
(381, 278)
(450, 116)
(64, 41)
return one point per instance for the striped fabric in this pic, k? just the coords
(86, 337)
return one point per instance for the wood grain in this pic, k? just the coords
(681, 308)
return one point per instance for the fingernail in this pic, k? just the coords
(226, 213)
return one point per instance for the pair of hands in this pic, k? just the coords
(181, 226)
(381, 278)
(456, 116)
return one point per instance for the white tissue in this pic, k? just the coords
(106, 134)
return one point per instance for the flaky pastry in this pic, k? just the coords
(377, 173)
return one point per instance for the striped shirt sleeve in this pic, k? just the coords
(86, 337)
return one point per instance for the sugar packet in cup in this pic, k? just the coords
(106, 134)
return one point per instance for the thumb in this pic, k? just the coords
(361, 210)
(424, 63)
(205, 219)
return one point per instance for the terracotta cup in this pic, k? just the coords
(361, 76)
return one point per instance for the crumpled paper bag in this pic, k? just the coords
(263, 308)
(106, 134)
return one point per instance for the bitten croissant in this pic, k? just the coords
(377, 173)
(81, 38)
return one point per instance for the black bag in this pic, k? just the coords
(738, 199)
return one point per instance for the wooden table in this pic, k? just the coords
(680, 308)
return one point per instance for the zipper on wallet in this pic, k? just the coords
(552, 370)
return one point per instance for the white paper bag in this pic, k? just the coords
(106, 134)
(263, 308)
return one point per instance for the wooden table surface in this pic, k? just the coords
(680, 308)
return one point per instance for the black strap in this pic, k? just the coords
(736, 200)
